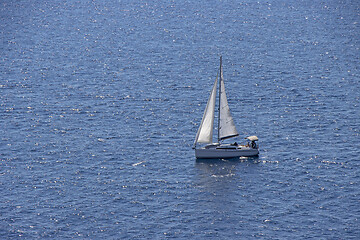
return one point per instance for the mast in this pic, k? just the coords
(219, 98)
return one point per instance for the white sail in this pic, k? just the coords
(227, 127)
(205, 132)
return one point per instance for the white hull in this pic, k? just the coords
(225, 152)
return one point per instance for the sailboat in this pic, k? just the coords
(204, 145)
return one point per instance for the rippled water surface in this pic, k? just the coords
(101, 100)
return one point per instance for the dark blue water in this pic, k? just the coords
(101, 101)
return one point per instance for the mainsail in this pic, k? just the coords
(227, 127)
(205, 132)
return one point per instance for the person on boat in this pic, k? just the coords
(253, 144)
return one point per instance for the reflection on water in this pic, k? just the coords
(221, 175)
(223, 167)
(216, 167)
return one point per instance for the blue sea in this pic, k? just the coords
(100, 102)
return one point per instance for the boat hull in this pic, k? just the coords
(225, 152)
